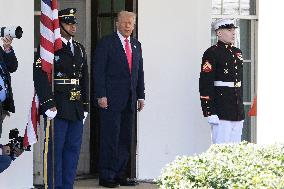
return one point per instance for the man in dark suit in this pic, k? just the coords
(8, 64)
(119, 91)
(68, 104)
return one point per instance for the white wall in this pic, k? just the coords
(270, 127)
(174, 35)
(15, 12)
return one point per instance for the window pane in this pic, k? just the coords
(36, 31)
(231, 7)
(216, 7)
(248, 7)
(119, 5)
(105, 26)
(246, 135)
(245, 38)
(213, 34)
(37, 5)
(104, 6)
(213, 37)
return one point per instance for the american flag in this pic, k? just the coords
(50, 38)
(50, 42)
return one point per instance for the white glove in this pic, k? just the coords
(85, 116)
(213, 120)
(50, 114)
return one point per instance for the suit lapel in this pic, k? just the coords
(134, 55)
(121, 51)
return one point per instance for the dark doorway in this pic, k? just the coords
(104, 13)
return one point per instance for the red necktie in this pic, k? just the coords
(128, 54)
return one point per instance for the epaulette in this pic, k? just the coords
(38, 63)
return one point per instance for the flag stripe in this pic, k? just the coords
(46, 55)
(30, 136)
(48, 46)
(47, 22)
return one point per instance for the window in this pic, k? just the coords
(234, 7)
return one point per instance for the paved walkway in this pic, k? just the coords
(93, 183)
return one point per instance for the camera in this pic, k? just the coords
(15, 32)
(16, 142)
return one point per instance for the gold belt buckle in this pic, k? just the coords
(238, 84)
(75, 95)
(73, 81)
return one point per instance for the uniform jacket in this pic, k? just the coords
(112, 78)
(10, 66)
(66, 66)
(222, 62)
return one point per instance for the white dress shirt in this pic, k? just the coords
(123, 42)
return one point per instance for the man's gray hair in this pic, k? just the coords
(126, 14)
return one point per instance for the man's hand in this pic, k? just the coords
(213, 120)
(6, 150)
(140, 104)
(51, 113)
(7, 43)
(103, 102)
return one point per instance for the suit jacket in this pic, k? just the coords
(66, 66)
(222, 62)
(10, 66)
(112, 77)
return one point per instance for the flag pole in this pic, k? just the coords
(46, 152)
(52, 130)
(49, 125)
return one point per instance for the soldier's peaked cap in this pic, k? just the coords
(223, 24)
(67, 16)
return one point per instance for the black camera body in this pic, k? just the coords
(16, 142)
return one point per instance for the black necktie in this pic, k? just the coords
(69, 46)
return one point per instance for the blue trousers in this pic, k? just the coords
(67, 144)
(5, 162)
(115, 142)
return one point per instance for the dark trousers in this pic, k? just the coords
(5, 162)
(67, 144)
(115, 142)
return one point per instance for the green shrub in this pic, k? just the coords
(227, 166)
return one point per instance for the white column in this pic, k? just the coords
(174, 35)
(14, 12)
(270, 126)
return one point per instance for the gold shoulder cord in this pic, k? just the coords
(46, 152)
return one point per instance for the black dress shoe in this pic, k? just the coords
(109, 183)
(127, 182)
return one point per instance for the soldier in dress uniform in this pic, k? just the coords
(68, 104)
(220, 85)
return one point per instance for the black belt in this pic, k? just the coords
(66, 81)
